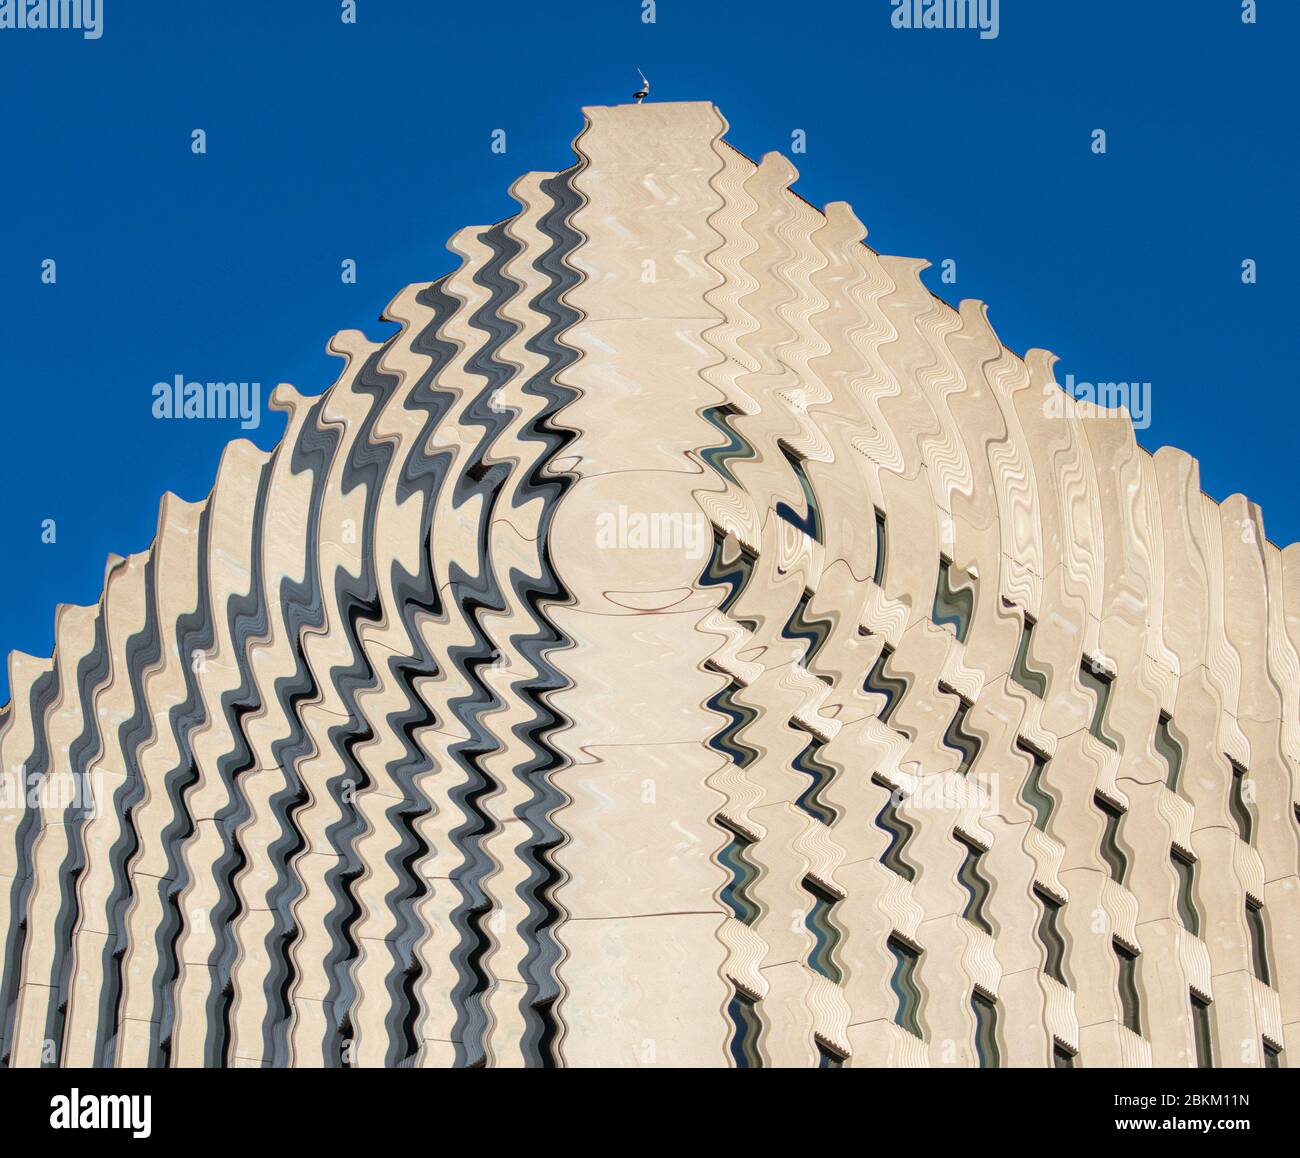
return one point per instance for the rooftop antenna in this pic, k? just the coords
(644, 90)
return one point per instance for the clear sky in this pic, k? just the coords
(372, 141)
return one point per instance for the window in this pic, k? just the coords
(1237, 803)
(731, 565)
(1171, 750)
(827, 1058)
(952, 608)
(1062, 1058)
(810, 763)
(1033, 793)
(1185, 870)
(1050, 937)
(903, 983)
(1258, 940)
(1099, 683)
(735, 859)
(1112, 851)
(882, 543)
(739, 717)
(1272, 1056)
(1128, 990)
(735, 447)
(826, 937)
(810, 523)
(975, 884)
(900, 832)
(743, 1012)
(1201, 1032)
(812, 631)
(1033, 681)
(986, 1029)
(957, 738)
(882, 683)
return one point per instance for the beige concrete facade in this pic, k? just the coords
(688, 642)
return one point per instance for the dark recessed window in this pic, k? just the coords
(1185, 870)
(952, 608)
(899, 832)
(1050, 937)
(1201, 1032)
(1171, 751)
(964, 743)
(734, 449)
(986, 1030)
(1112, 852)
(819, 773)
(746, 1028)
(903, 983)
(1237, 804)
(975, 884)
(1258, 940)
(826, 937)
(882, 543)
(1128, 990)
(882, 683)
(1099, 683)
(727, 702)
(827, 1058)
(811, 521)
(735, 858)
(731, 567)
(1034, 792)
(803, 627)
(1022, 673)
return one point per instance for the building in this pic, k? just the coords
(688, 642)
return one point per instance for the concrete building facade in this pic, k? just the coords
(687, 642)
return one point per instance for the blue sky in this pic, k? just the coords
(372, 141)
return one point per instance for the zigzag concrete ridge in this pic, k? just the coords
(971, 736)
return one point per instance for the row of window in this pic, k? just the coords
(747, 1027)
(826, 938)
(954, 606)
(1185, 869)
(908, 1010)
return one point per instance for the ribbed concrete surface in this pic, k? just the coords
(627, 664)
